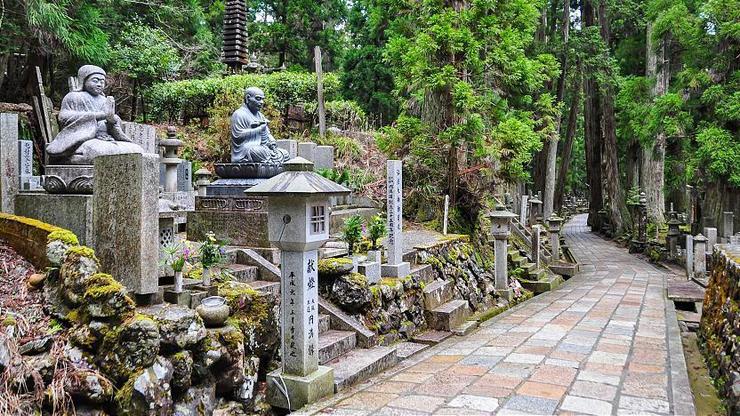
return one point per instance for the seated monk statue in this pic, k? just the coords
(251, 141)
(88, 124)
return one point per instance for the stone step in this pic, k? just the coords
(437, 293)
(329, 253)
(265, 286)
(448, 315)
(431, 337)
(360, 364)
(242, 272)
(425, 272)
(409, 256)
(324, 323)
(466, 328)
(529, 267)
(333, 344)
(408, 349)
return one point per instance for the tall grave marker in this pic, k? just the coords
(8, 161)
(396, 267)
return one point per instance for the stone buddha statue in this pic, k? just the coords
(251, 141)
(88, 124)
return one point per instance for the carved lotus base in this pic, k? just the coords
(246, 170)
(68, 179)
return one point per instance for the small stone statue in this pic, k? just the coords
(251, 141)
(89, 125)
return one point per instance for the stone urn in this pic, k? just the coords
(214, 311)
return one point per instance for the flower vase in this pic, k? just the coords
(206, 276)
(178, 282)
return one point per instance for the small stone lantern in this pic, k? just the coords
(673, 233)
(298, 224)
(170, 159)
(700, 256)
(202, 179)
(535, 208)
(500, 231)
(554, 225)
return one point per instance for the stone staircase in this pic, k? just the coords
(258, 269)
(444, 313)
(537, 280)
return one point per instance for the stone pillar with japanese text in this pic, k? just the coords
(300, 312)
(395, 267)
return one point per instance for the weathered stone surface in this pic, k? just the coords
(148, 391)
(89, 386)
(351, 292)
(126, 217)
(196, 401)
(307, 150)
(71, 212)
(131, 346)
(106, 298)
(323, 157)
(239, 228)
(182, 365)
(78, 266)
(290, 146)
(8, 161)
(179, 327)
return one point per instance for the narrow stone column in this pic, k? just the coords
(523, 211)
(8, 161)
(554, 222)
(202, 179)
(689, 255)
(711, 234)
(396, 267)
(673, 233)
(300, 305)
(700, 255)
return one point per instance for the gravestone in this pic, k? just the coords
(9, 169)
(689, 255)
(447, 212)
(125, 219)
(25, 164)
(396, 267)
(290, 146)
(711, 233)
(307, 150)
(141, 134)
(185, 176)
(324, 157)
(700, 256)
(371, 267)
(523, 210)
(727, 225)
(536, 244)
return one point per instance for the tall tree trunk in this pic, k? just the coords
(135, 101)
(618, 213)
(570, 133)
(592, 130)
(653, 157)
(552, 151)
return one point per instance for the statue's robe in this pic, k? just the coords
(82, 136)
(251, 144)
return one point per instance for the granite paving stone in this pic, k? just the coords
(596, 345)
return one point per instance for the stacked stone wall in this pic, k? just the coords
(719, 331)
(27, 236)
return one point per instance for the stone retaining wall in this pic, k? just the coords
(28, 237)
(719, 331)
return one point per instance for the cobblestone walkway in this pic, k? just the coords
(605, 343)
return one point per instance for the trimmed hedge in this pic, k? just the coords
(195, 97)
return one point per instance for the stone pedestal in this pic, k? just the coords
(396, 267)
(240, 221)
(301, 390)
(125, 219)
(9, 169)
(72, 212)
(371, 267)
(69, 179)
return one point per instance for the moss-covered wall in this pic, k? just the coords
(27, 236)
(719, 331)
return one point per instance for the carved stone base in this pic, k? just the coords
(231, 187)
(246, 170)
(68, 179)
(239, 221)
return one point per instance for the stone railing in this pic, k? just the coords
(720, 323)
(28, 237)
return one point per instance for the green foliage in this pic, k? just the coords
(211, 251)
(144, 54)
(719, 152)
(197, 97)
(343, 114)
(353, 178)
(352, 231)
(376, 229)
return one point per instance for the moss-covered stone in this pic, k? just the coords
(256, 314)
(78, 265)
(106, 298)
(65, 236)
(332, 268)
(130, 347)
(352, 293)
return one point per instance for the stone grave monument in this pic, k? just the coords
(395, 267)
(298, 224)
(500, 231)
(9, 168)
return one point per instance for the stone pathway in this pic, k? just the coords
(606, 342)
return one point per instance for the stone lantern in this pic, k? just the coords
(500, 231)
(554, 225)
(170, 159)
(298, 224)
(202, 179)
(535, 208)
(673, 233)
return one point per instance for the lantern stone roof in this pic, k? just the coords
(501, 212)
(298, 179)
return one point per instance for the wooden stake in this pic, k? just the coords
(320, 91)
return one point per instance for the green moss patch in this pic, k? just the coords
(65, 236)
